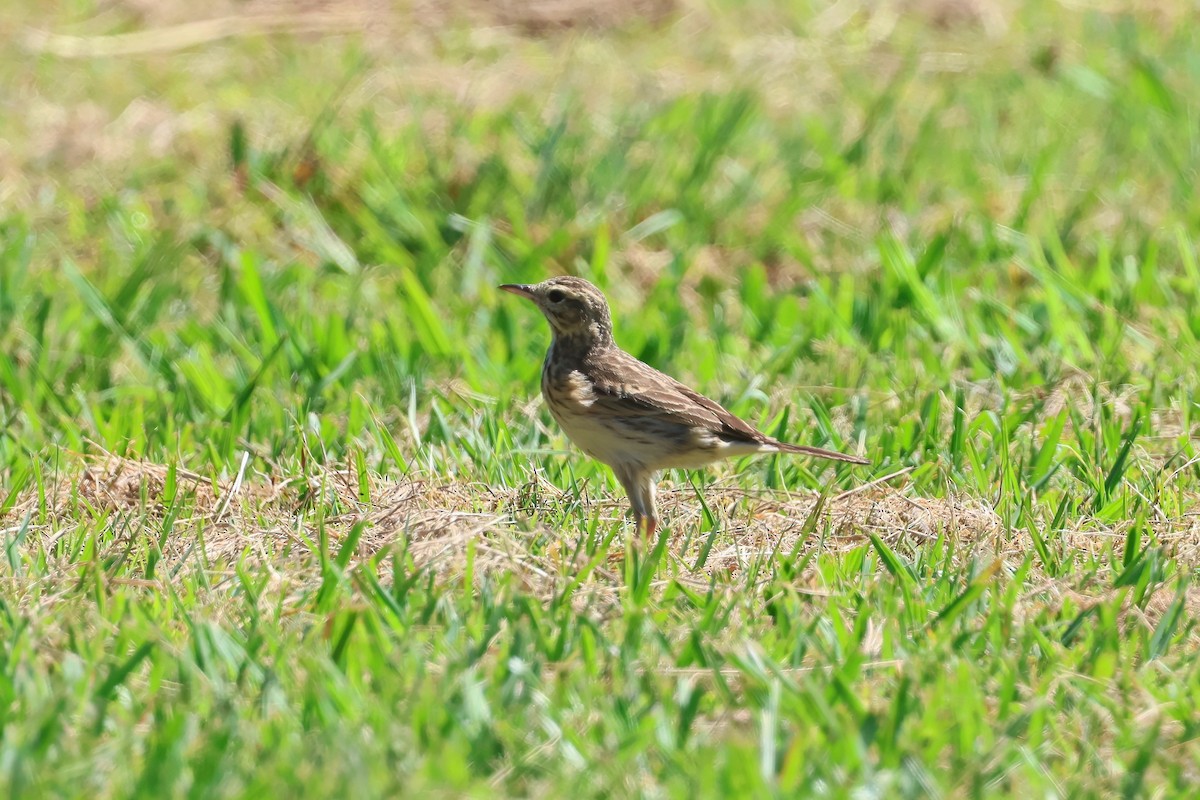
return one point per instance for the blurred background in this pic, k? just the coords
(246, 213)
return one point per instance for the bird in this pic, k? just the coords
(624, 412)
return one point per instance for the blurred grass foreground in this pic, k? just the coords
(282, 512)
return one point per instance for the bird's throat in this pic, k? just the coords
(583, 341)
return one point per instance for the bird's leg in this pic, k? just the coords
(638, 483)
(649, 507)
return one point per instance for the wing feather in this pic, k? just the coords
(627, 386)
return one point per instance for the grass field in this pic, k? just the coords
(283, 514)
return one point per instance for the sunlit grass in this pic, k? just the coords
(282, 515)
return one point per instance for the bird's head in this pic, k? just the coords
(575, 309)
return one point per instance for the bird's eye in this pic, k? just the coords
(555, 296)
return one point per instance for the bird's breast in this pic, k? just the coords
(571, 398)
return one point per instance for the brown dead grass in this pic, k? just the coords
(438, 520)
(272, 527)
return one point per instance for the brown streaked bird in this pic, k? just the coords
(626, 413)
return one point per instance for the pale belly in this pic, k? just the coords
(650, 442)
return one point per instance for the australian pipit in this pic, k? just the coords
(624, 412)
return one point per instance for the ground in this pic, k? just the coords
(283, 513)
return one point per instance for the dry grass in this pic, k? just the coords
(429, 511)
(441, 517)
(269, 519)
(273, 525)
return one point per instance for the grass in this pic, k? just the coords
(283, 516)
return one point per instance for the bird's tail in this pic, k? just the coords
(833, 455)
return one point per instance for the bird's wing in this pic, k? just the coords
(624, 385)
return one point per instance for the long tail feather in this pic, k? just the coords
(819, 452)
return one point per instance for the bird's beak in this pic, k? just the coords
(524, 290)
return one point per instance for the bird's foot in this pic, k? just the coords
(651, 526)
